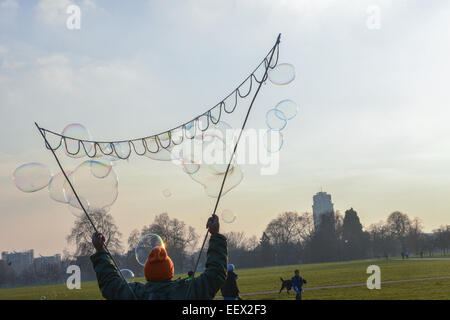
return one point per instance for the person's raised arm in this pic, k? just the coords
(213, 278)
(110, 282)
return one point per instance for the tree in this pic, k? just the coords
(324, 242)
(289, 227)
(415, 237)
(133, 239)
(81, 233)
(355, 240)
(443, 238)
(178, 238)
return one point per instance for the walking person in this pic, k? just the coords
(230, 289)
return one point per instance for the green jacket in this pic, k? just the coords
(205, 286)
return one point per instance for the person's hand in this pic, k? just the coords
(213, 224)
(98, 240)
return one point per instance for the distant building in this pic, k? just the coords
(42, 261)
(321, 204)
(18, 260)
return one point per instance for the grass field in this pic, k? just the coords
(324, 274)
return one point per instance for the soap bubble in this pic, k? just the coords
(288, 109)
(146, 245)
(190, 167)
(75, 207)
(98, 192)
(275, 120)
(273, 140)
(214, 155)
(211, 180)
(282, 74)
(167, 193)
(228, 216)
(56, 187)
(72, 147)
(99, 169)
(127, 273)
(31, 177)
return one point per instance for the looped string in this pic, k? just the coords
(122, 149)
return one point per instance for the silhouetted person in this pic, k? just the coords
(190, 275)
(421, 254)
(159, 271)
(403, 255)
(230, 289)
(297, 284)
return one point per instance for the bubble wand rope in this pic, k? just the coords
(84, 210)
(231, 158)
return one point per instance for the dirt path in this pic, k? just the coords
(347, 285)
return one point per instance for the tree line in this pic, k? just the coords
(290, 238)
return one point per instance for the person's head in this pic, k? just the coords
(159, 266)
(230, 268)
(190, 274)
(297, 272)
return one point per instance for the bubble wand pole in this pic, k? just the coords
(82, 207)
(234, 151)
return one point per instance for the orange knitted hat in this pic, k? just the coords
(159, 266)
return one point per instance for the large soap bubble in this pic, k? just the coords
(31, 177)
(282, 74)
(73, 147)
(98, 192)
(76, 209)
(146, 245)
(288, 109)
(211, 180)
(56, 187)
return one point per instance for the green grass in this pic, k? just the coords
(325, 274)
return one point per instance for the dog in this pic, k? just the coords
(285, 284)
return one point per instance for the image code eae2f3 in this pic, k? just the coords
(224, 159)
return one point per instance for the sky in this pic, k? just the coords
(372, 129)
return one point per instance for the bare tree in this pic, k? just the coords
(399, 224)
(289, 227)
(133, 239)
(178, 238)
(81, 233)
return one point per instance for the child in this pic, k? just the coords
(297, 284)
(159, 271)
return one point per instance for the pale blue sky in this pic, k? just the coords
(372, 130)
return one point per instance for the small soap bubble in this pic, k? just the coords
(228, 216)
(146, 245)
(282, 74)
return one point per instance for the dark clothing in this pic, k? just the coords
(230, 289)
(297, 284)
(205, 286)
